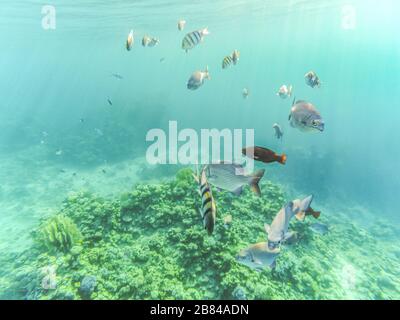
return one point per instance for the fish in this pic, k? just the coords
(104, 171)
(319, 228)
(245, 93)
(130, 41)
(62, 171)
(162, 59)
(117, 76)
(278, 131)
(228, 221)
(109, 102)
(59, 152)
(300, 214)
(81, 120)
(278, 231)
(312, 212)
(192, 39)
(228, 60)
(196, 80)
(149, 41)
(208, 210)
(258, 256)
(231, 177)
(285, 91)
(312, 79)
(181, 25)
(264, 155)
(305, 117)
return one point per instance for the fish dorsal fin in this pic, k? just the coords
(301, 101)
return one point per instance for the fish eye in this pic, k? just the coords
(315, 123)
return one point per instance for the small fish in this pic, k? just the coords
(74, 174)
(98, 131)
(305, 117)
(258, 256)
(312, 79)
(300, 214)
(197, 79)
(109, 102)
(130, 41)
(278, 131)
(245, 93)
(117, 76)
(228, 60)
(228, 221)
(181, 25)
(208, 209)
(278, 231)
(104, 171)
(162, 59)
(192, 39)
(62, 171)
(232, 178)
(312, 212)
(264, 155)
(149, 41)
(319, 228)
(59, 152)
(285, 91)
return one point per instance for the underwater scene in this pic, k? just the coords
(199, 150)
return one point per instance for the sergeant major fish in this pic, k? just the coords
(208, 208)
(305, 117)
(278, 231)
(197, 79)
(192, 39)
(231, 177)
(228, 60)
(149, 41)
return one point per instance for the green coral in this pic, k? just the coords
(58, 233)
(149, 243)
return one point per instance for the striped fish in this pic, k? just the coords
(208, 208)
(192, 39)
(228, 60)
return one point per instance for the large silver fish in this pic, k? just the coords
(232, 178)
(258, 256)
(278, 231)
(192, 39)
(196, 80)
(305, 117)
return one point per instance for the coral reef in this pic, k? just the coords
(150, 244)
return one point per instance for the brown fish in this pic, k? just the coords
(312, 212)
(264, 155)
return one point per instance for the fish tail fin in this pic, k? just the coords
(255, 179)
(315, 214)
(282, 159)
(205, 31)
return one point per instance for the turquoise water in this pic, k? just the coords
(55, 85)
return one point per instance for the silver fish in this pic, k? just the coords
(285, 91)
(196, 80)
(208, 209)
(305, 117)
(278, 131)
(319, 228)
(192, 39)
(232, 178)
(130, 41)
(181, 25)
(245, 93)
(278, 231)
(312, 79)
(258, 256)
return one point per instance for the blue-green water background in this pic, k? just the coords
(52, 78)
